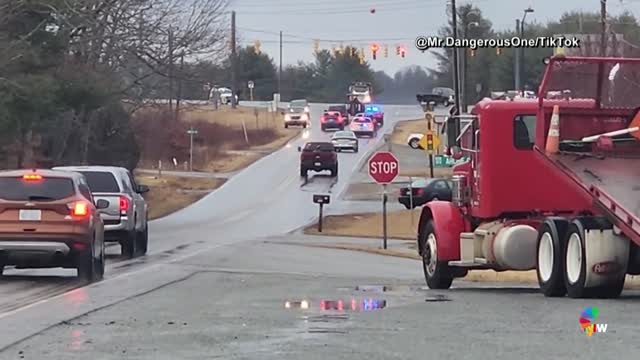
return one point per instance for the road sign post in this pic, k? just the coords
(383, 169)
(191, 132)
(250, 85)
(321, 200)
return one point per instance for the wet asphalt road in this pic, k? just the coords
(213, 287)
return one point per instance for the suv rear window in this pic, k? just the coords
(17, 189)
(101, 181)
(324, 147)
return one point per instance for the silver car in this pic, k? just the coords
(125, 219)
(345, 140)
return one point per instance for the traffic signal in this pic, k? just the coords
(403, 51)
(472, 52)
(499, 51)
(386, 51)
(430, 141)
(256, 45)
(374, 50)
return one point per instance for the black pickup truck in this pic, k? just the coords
(443, 96)
(318, 156)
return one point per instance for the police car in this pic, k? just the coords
(363, 126)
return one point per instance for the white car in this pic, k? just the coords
(224, 94)
(345, 140)
(361, 125)
(414, 139)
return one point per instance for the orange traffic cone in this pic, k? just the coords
(553, 137)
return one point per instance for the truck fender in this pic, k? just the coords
(448, 224)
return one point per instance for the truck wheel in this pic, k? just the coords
(128, 245)
(437, 273)
(549, 259)
(304, 126)
(143, 240)
(413, 143)
(575, 256)
(355, 149)
(286, 126)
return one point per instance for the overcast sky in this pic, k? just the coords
(394, 22)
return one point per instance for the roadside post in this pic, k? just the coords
(250, 85)
(383, 169)
(321, 200)
(411, 198)
(191, 132)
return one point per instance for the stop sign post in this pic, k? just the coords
(383, 169)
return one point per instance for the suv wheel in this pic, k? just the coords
(128, 245)
(143, 240)
(90, 269)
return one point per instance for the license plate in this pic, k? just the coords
(318, 164)
(30, 215)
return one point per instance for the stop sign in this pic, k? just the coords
(383, 167)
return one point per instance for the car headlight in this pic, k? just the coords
(287, 117)
(306, 109)
(304, 117)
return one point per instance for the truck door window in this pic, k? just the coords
(524, 132)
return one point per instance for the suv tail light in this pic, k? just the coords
(79, 209)
(31, 177)
(322, 119)
(124, 205)
(419, 192)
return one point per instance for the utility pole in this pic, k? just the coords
(603, 19)
(453, 124)
(233, 60)
(170, 68)
(191, 132)
(280, 68)
(516, 65)
(179, 96)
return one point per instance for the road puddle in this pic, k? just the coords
(352, 305)
(373, 288)
(436, 298)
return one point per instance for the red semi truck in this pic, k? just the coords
(572, 213)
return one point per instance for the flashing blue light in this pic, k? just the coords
(372, 109)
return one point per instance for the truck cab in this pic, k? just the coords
(517, 207)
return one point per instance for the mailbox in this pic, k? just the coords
(321, 199)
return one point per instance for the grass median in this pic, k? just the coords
(369, 225)
(227, 139)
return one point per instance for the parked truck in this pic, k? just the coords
(569, 212)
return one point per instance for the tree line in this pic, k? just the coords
(487, 71)
(67, 66)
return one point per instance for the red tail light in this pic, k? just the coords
(124, 205)
(79, 209)
(322, 119)
(419, 191)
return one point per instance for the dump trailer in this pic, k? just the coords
(538, 192)
(598, 149)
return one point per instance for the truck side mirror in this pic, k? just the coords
(456, 152)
